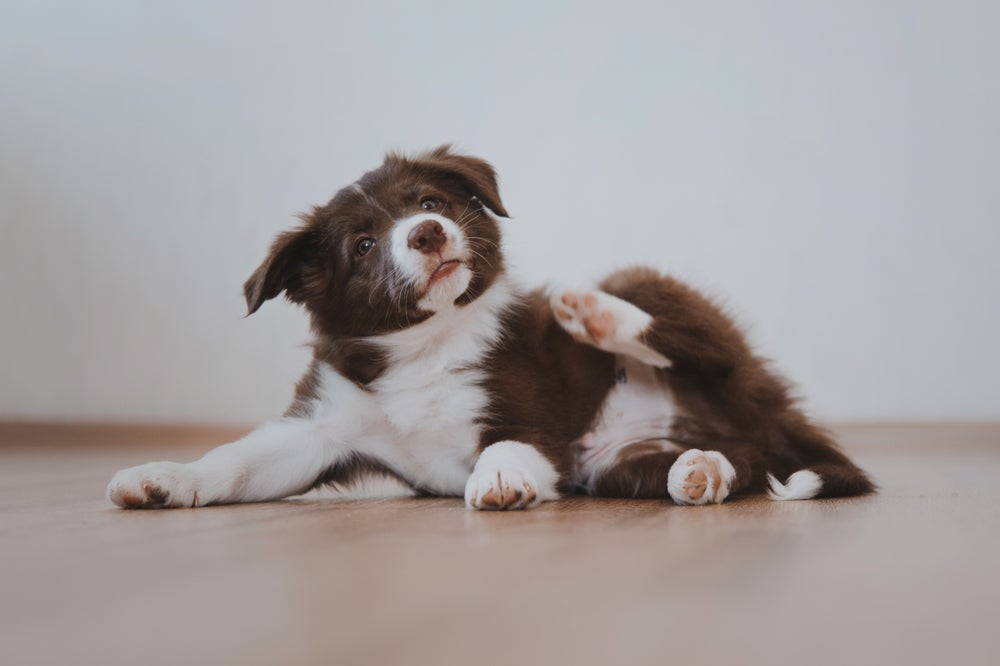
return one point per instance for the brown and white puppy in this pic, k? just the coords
(432, 367)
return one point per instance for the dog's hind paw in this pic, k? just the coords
(700, 477)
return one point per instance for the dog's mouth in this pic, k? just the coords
(445, 269)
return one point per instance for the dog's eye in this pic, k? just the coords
(364, 246)
(428, 203)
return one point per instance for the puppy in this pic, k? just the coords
(432, 367)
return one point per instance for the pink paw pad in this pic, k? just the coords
(584, 317)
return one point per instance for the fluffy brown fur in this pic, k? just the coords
(730, 400)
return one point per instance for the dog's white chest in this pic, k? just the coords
(433, 439)
(419, 400)
(418, 422)
(639, 408)
(429, 400)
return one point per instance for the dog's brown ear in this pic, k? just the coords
(291, 254)
(476, 175)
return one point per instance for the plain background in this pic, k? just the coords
(828, 170)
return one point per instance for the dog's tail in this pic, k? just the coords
(808, 464)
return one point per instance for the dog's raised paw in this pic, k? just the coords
(581, 314)
(607, 322)
(700, 477)
(501, 489)
(154, 485)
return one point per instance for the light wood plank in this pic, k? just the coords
(907, 576)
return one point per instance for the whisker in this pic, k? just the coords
(472, 248)
(462, 214)
(484, 259)
(473, 214)
(383, 282)
(472, 217)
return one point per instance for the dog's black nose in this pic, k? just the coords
(427, 237)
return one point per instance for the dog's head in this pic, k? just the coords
(407, 240)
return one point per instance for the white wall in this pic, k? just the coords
(829, 169)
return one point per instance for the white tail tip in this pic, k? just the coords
(804, 484)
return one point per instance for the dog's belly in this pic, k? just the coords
(638, 409)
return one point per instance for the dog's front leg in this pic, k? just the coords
(511, 475)
(278, 459)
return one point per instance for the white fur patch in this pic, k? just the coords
(461, 334)
(804, 484)
(511, 475)
(638, 409)
(626, 323)
(365, 487)
(417, 267)
(718, 471)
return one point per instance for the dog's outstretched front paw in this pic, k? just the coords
(501, 489)
(156, 485)
(700, 477)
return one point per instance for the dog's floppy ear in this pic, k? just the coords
(283, 269)
(476, 175)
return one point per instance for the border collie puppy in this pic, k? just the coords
(430, 366)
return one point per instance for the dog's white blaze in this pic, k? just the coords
(638, 409)
(417, 267)
(515, 464)
(372, 201)
(804, 484)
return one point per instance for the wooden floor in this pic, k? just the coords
(909, 576)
